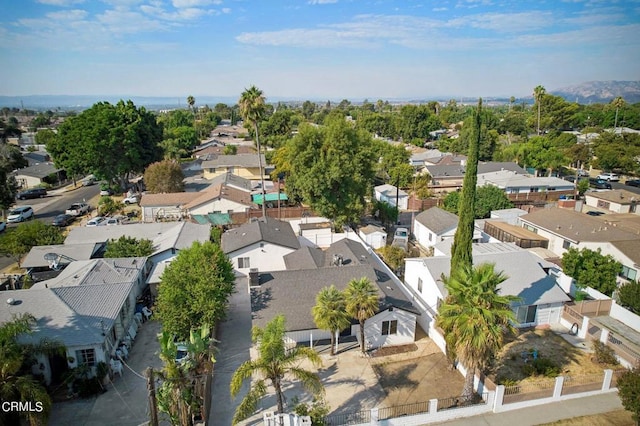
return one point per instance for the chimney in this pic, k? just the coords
(254, 277)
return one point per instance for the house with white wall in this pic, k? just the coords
(612, 201)
(515, 183)
(260, 244)
(434, 225)
(389, 194)
(530, 278)
(374, 236)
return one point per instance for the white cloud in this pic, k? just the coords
(180, 4)
(322, 1)
(62, 3)
(68, 15)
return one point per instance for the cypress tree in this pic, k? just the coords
(461, 248)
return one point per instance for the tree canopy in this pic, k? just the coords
(128, 247)
(164, 177)
(194, 289)
(330, 168)
(18, 241)
(629, 392)
(110, 141)
(591, 269)
(488, 198)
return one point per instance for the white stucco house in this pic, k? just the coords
(530, 278)
(434, 225)
(612, 201)
(260, 245)
(374, 236)
(389, 193)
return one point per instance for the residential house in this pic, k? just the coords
(293, 292)
(614, 234)
(38, 174)
(89, 308)
(530, 278)
(243, 165)
(449, 177)
(434, 225)
(390, 194)
(260, 244)
(612, 201)
(514, 183)
(163, 207)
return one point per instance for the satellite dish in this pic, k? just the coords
(52, 260)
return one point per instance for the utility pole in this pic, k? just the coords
(153, 406)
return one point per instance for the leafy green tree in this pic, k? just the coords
(18, 241)
(11, 158)
(582, 186)
(129, 247)
(330, 168)
(461, 248)
(617, 152)
(618, 103)
(108, 205)
(475, 318)
(181, 394)
(110, 141)
(274, 362)
(45, 136)
(362, 303)
(629, 296)
(488, 198)
(15, 359)
(179, 142)
(8, 190)
(194, 289)
(629, 392)
(164, 177)
(591, 269)
(538, 94)
(230, 150)
(384, 212)
(393, 256)
(308, 108)
(330, 312)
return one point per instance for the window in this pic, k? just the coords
(526, 314)
(86, 357)
(430, 235)
(603, 204)
(419, 285)
(629, 273)
(566, 245)
(389, 327)
(243, 262)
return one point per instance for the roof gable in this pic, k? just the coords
(266, 230)
(437, 220)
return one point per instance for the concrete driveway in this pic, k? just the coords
(125, 402)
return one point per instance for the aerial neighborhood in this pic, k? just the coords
(312, 263)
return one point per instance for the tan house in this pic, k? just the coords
(613, 201)
(243, 165)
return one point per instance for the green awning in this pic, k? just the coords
(270, 197)
(212, 218)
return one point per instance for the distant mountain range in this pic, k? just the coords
(600, 92)
(584, 93)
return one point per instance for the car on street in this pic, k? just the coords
(106, 192)
(3, 226)
(594, 213)
(20, 214)
(609, 177)
(582, 173)
(88, 180)
(96, 221)
(633, 182)
(599, 184)
(78, 209)
(63, 220)
(32, 193)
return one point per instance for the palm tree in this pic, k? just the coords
(618, 103)
(191, 101)
(538, 94)
(15, 384)
(330, 312)
(274, 362)
(181, 394)
(362, 303)
(475, 318)
(252, 109)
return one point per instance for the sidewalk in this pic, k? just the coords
(545, 413)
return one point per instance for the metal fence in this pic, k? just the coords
(585, 383)
(458, 402)
(403, 410)
(345, 419)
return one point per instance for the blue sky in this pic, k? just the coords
(314, 49)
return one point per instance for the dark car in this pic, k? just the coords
(62, 220)
(594, 213)
(32, 193)
(599, 183)
(634, 182)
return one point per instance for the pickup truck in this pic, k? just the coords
(78, 209)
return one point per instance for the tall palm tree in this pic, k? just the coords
(330, 312)
(274, 362)
(618, 102)
(191, 101)
(475, 318)
(362, 303)
(15, 384)
(252, 109)
(538, 94)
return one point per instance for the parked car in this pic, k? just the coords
(78, 209)
(106, 192)
(116, 220)
(63, 220)
(633, 182)
(594, 213)
(32, 193)
(88, 181)
(133, 199)
(3, 226)
(582, 173)
(20, 214)
(96, 221)
(599, 184)
(610, 177)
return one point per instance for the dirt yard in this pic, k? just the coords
(613, 418)
(415, 373)
(546, 344)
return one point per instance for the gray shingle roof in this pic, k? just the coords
(97, 272)
(304, 258)
(437, 220)
(35, 257)
(266, 230)
(39, 170)
(456, 170)
(238, 160)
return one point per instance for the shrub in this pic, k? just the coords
(317, 410)
(541, 367)
(89, 387)
(108, 205)
(603, 353)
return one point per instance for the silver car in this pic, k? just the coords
(20, 214)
